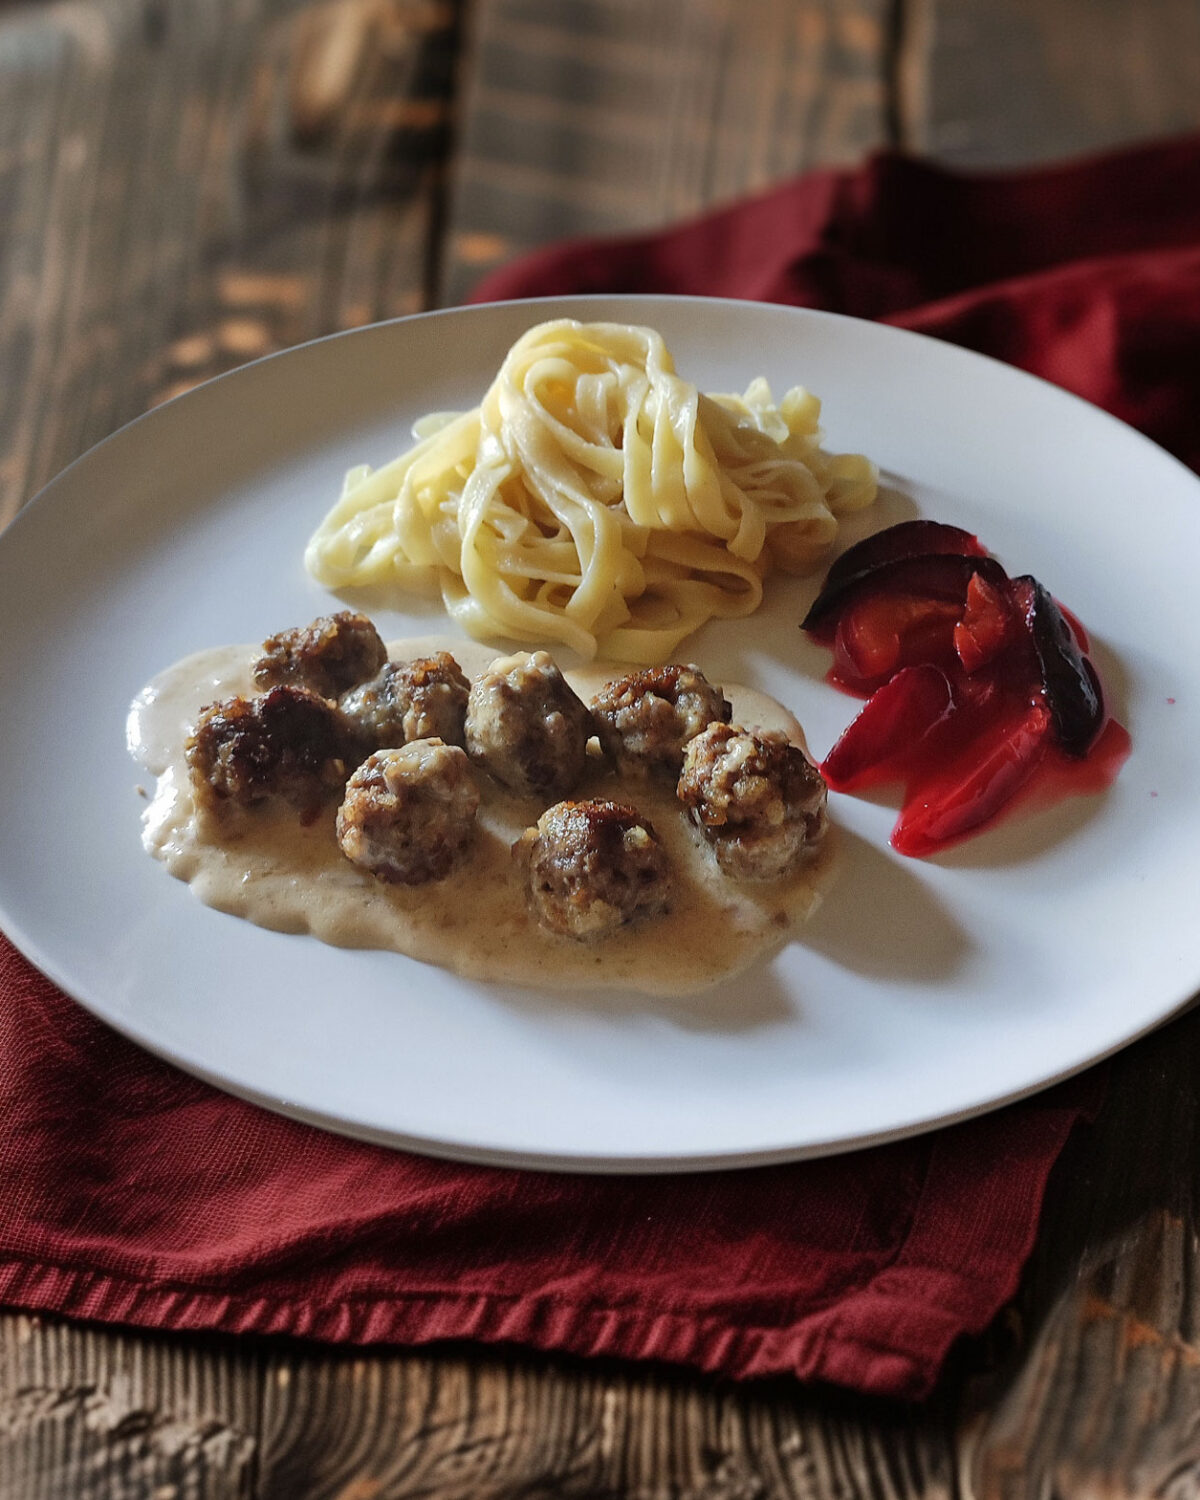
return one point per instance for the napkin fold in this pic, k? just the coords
(134, 1193)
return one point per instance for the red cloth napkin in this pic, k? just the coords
(134, 1193)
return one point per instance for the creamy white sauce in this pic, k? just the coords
(262, 865)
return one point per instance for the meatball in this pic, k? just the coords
(758, 799)
(409, 813)
(330, 656)
(593, 867)
(527, 728)
(644, 720)
(287, 743)
(424, 699)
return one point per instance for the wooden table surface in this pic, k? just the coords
(187, 184)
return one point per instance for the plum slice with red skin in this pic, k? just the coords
(888, 728)
(905, 539)
(968, 792)
(1069, 681)
(942, 575)
(899, 543)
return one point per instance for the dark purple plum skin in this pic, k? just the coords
(938, 575)
(906, 539)
(1072, 688)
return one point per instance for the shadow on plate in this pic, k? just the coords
(880, 921)
(877, 919)
(749, 1000)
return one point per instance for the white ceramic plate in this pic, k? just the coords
(923, 992)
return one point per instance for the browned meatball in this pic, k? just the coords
(526, 727)
(644, 720)
(287, 743)
(330, 656)
(409, 813)
(593, 867)
(412, 700)
(758, 799)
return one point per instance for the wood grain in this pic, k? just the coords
(87, 1413)
(465, 1427)
(1100, 1392)
(192, 183)
(609, 115)
(999, 85)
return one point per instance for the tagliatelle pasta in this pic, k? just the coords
(596, 499)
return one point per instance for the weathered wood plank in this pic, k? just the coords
(609, 115)
(1100, 1396)
(989, 85)
(453, 1427)
(187, 186)
(88, 1413)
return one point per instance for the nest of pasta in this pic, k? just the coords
(596, 499)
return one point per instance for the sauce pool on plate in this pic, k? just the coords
(266, 866)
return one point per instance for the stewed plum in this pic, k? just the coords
(972, 679)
